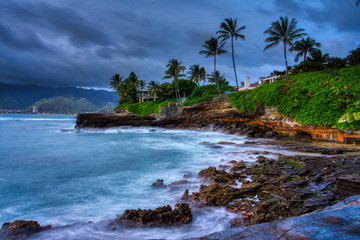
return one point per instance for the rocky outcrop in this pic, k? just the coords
(20, 229)
(161, 216)
(220, 115)
(340, 221)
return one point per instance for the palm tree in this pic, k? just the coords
(283, 31)
(195, 74)
(154, 88)
(174, 71)
(133, 79)
(230, 30)
(303, 47)
(216, 77)
(317, 56)
(202, 74)
(115, 81)
(141, 86)
(213, 48)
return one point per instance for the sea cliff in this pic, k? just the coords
(220, 115)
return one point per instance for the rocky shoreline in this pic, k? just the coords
(262, 195)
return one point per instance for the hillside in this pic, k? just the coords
(64, 105)
(319, 98)
(21, 97)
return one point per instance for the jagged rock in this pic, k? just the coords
(161, 216)
(20, 229)
(215, 195)
(213, 176)
(238, 166)
(159, 184)
(185, 197)
(180, 182)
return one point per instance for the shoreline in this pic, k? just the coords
(223, 179)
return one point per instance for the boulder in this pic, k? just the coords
(161, 216)
(159, 184)
(20, 229)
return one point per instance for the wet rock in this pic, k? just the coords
(185, 197)
(261, 159)
(161, 216)
(225, 143)
(270, 134)
(180, 182)
(215, 195)
(294, 184)
(238, 166)
(187, 175)
(213, 176)
(20, 229)
(159, 184)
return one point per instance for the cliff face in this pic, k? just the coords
(221, 113)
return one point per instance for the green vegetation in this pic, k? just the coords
(205, 93)
(310, 98)
(294, 164)
(143, 108)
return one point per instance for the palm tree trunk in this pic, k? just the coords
(305, 56)
(232, 51)
(215, 63)
(286, 65)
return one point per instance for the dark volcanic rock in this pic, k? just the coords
(340, 221)
(348, 185)
(161, 216)
(20, 229)
(213, 176)
(158, 184)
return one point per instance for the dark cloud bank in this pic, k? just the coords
(83, 43)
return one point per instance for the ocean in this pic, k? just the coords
(78, 181)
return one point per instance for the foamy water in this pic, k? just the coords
(57, 175)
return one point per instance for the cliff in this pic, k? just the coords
(219, 114)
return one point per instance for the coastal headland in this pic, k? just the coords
(220, 115)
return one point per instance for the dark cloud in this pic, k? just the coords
(83, 43)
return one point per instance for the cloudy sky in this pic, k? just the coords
(84, 42)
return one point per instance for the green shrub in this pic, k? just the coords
(205, 93)
(310, 98)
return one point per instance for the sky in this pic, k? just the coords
(83, 43)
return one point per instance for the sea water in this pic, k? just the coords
(78, 181)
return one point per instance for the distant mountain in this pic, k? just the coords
(21, 97)
(64, 105)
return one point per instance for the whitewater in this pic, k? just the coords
(78, 181)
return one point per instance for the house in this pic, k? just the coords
(269, 79)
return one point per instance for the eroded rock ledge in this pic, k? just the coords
(220, 115)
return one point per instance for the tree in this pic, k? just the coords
(141, 86)
(195, 74)
(213, 48)
(354, 57)
(115, 81)
(154, 87)
(336, 62)
(230, 30)
(174, 71)
(186, 87)
(216, 77)
(285, 32)
(318, 56)
(202, 74)
(303, 47)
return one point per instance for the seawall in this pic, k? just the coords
(222, 114)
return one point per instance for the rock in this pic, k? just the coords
(270, 134)
(21, 229)
(336, 222)
(238, 166)
(294, 184)
(180, 182)
(348, 185)
(226, 143)
(187, 175)
(185, 197)
(161, 216)
(159, 184)
(215, 195)
(213, 176)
